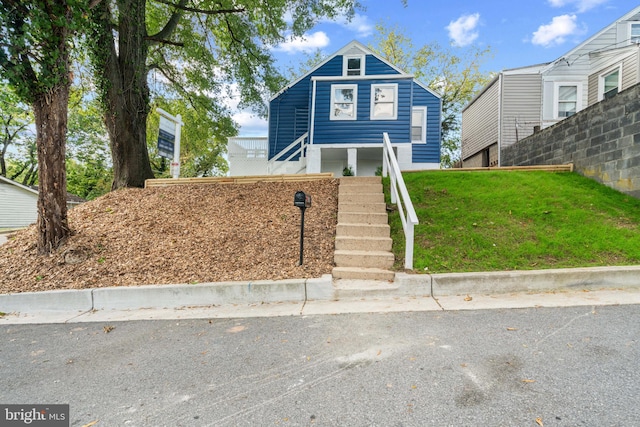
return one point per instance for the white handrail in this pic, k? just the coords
(301, 140)
(398, 188)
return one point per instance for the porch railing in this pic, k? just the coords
(272, 167)
(400, 196)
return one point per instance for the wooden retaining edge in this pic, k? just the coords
(548, 168)
(250, 179)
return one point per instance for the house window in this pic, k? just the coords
(610, 84)
(635, 33)
(419, 124)
(384, 105)
(344, 99)
(567, 101)
(353, 65)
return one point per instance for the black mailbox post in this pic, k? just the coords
(302, 201)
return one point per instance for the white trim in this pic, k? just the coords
(423, 137)
(556, 97)
(392, 86)
(371, 77)
(17, 184)
(605, 74)
(313, 113)
(353, 87)
(345, 63)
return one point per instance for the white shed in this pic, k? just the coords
(19, 204)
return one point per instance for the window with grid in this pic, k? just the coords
(567, 101)
(343, 102)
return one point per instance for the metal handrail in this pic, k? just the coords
(398, 188)
(301, 140)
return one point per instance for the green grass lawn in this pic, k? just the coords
(493, 221)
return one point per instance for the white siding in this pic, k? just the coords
(18, 207)
(521, 105)
(480, 121)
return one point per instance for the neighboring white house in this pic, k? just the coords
(19, 204)
(517, 101)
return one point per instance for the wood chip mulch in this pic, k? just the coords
(181, 234)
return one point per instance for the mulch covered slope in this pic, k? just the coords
(181, 234)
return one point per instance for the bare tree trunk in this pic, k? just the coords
(123, 78)
(50, 112)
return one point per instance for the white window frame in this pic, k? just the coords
(394, 86)
(556, 97)
(345, 64)
(423, 137)
(633, 40)
(605, 74)
(354, 87)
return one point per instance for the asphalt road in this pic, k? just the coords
(577, 366)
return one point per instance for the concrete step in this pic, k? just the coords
(369, 259)
(360, 188)
(353, 288)
(363, 218)
(362, 207)
(359, 273)
(361, 198)
(363, 230)
(349, 243)
(356, 180)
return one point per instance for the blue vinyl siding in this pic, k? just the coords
(284, 125)
(363, 130)
(289, 112)
(375, 67)
(429, 152)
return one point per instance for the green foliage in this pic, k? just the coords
(15, 117)
(493, 221)
(203, 137)
(348, 171)
(453, 73)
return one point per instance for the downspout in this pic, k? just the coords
(500, 119)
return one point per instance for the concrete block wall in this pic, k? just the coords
(602, 141)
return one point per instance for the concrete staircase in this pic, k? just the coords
(363, 242)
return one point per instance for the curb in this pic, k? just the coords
(316, 289)
(169, 296)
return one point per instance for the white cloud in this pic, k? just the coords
(581, 5)
(306, 43)
(463, 30)
(556, 32)
(251, 124)
(359, 24)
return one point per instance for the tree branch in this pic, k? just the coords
(171, 25)
(182, 6)
(158, 40)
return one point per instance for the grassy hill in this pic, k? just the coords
(498, 220)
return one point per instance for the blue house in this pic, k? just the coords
(334, 116)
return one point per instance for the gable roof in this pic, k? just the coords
(351, 47)
(625, 17)
(71, 198)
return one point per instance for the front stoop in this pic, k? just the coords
(363, 244)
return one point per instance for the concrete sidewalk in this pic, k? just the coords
(409, 292)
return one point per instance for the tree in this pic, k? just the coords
(196, 48)
(453, 73)
(34, 59)
(14, 121)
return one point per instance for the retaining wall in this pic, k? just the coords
(602, 141)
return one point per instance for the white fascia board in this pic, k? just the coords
(376, 77)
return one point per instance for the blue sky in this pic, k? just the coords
(518, 32)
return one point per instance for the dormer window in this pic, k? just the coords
(353, 65)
